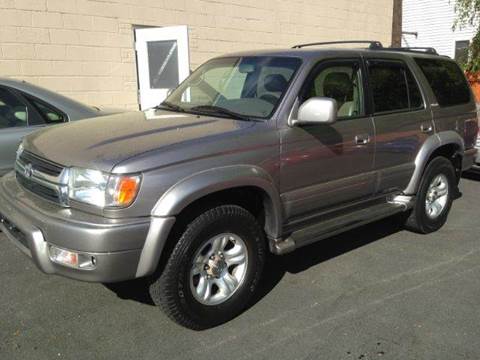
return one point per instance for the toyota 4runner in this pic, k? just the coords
(255, 152)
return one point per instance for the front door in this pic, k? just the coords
(162, 62)
(325, 166)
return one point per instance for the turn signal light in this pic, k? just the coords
(126, 190)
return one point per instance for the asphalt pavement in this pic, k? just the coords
(378, 292)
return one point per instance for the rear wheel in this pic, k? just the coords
(214, 268)
(434, 197)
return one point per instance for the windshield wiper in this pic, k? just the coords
(217, 110)
(169, 106)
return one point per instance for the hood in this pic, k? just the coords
(103, 142)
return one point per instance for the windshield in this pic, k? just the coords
(247, 86)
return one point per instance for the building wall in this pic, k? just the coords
(433, 20)
(84, 48)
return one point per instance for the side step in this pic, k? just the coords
(333, 226)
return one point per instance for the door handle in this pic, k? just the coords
(362, 139)
(426, 128)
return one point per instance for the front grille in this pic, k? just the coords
(40, 164)
(38, 189)
(41, 177)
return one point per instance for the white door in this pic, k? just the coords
(162, 62)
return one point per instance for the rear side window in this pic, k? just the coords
(446, 80)
(393, 87)
(50, 115)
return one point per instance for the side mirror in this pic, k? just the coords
(317, 111)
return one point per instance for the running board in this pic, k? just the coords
(336, 225)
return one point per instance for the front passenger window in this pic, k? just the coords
(342, 83)
(13, 112)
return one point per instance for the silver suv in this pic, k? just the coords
(256, 152)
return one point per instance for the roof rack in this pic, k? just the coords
(373, 44)
(427, 50)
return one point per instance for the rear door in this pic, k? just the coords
(402, 121)
(17, 119)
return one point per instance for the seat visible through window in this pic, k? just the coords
(275, 84)
(341, 83)
(339, 86)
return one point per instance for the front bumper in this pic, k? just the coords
(118, 245)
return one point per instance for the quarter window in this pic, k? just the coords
(446, 80)
(393, 87)
(13, 112)
(49, 114)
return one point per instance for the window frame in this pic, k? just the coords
(321, 65)
(455, 42)
(405, 67)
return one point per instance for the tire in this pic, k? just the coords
(176, 290)
(440, 170)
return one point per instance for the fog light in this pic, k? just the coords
(71, 259)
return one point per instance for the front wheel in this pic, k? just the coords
(213, 270)
(434, 197)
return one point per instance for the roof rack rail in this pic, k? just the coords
(373, 44)
(427, 50)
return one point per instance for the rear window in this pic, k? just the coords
(446, 80)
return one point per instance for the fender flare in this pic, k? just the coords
(196, 186)
(433, 143)
(207, 182)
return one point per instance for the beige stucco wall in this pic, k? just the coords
(84, 48)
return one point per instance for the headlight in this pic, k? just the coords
(102, 189)
(19, 150)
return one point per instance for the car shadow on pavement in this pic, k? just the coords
(471, 176)
(304, 258)
(296, 262)
(136, 290)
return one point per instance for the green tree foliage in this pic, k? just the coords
(468, 13)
